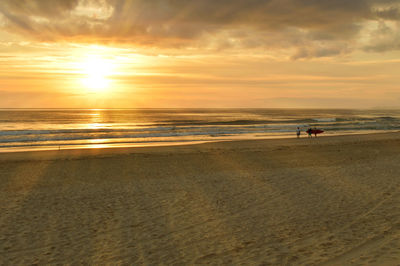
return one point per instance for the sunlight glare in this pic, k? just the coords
(97, 71)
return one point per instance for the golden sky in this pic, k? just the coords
(199, 53)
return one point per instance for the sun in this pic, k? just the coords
(96, 72)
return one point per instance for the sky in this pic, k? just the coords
(199, 53)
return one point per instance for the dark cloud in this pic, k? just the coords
(186, 23)
(45, 8)
(392, 13)
(319, 51)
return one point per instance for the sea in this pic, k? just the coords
(56, 129)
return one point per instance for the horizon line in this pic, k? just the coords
(199, 108)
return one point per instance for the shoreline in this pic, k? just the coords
(117, 144)
(182, 147)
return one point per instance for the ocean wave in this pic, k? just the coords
(387, 118)
(157, 132)
(325, 119)
(216, 125)
(53, 128)
(77, 131)
(57, 137)
(240, 122)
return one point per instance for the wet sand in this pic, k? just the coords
(330, 200)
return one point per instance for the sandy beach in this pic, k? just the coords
(324, 201)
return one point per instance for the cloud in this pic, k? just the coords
(391, 13)
(386, 37)
(312, 28)
(319, 51)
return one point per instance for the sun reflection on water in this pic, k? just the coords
(96, 125)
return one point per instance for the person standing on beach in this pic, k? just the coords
(309, 132)
(298, 132)
(315, 131)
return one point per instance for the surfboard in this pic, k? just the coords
(315, 131)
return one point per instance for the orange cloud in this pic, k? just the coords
(314, 28)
